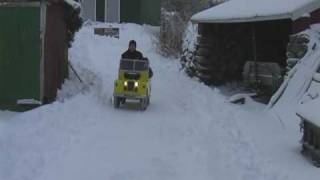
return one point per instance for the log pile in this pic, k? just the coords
(296, 49)
(218, 58)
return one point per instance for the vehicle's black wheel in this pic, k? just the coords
(143, 104)
(116, 102)
(122, 100)
(148, 101)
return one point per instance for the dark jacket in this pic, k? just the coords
(136, 55)
(132, 55)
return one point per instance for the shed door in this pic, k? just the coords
(130, 11)
(150, 12)
(100, 10)
(19, 54)
(113, 10)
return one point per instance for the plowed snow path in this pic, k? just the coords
(188, 132)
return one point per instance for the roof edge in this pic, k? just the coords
(294, 15)
(308, 8)
(242, 20)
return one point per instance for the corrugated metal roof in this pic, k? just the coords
(256, 10)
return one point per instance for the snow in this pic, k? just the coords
(316, 77)
(190, 38)
(190, 131)
(256, 10)
(241, 96)
(309, 111)
(299, 88)
(73, 3)
(300, 76)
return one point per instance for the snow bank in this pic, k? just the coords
(256, 10)
(73, 4)
(241, 97)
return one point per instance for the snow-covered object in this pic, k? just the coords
(300, 76)
(299, 86)
(73, 4)
(310, 111)
(190, 37)
(256, 10)
(189, 48)
(242, 96)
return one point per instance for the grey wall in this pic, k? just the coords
(113, 13)
(112, 10)
(88, 10)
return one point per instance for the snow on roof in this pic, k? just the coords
(256, 10)
(73, 3)
(310, 111)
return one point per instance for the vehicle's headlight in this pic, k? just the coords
(136, 84)
(125, 83)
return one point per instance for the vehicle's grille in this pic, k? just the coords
(130, 85)
(132, 76)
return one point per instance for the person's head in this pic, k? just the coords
(132, 45)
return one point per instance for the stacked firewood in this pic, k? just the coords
(218, 59)
(296, 49)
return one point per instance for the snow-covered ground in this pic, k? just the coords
(189, 131)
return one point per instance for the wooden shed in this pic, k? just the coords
(33, 52)
(129, 11)
(236, 32)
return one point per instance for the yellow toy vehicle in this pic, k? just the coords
(133, 83)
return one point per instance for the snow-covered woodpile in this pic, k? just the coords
(299, 94)
(296, 50)
(215, 54)
(231, 34)
(300, 84)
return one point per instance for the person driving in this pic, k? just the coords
(132, 52)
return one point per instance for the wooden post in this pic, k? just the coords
(254, 49)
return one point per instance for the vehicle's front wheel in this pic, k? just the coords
(148, 101)
(116, 102)
(143, 104)
(122, 100)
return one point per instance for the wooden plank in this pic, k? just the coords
(112, 32)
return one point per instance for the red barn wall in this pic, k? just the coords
(304, 23)
(301, 24)
(55, 50)
(315, 17)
